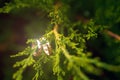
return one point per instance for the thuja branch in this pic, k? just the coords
(58, 39)
(75, 63)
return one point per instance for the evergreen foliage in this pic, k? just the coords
(69, 56)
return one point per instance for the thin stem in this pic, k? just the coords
(116, 36)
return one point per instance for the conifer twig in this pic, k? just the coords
(110, 33)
